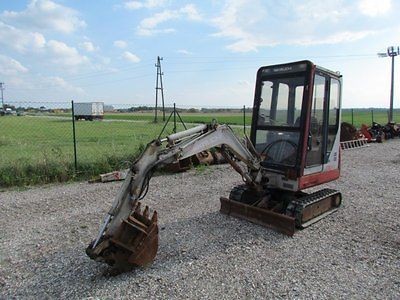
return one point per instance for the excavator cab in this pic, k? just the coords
(295, 123)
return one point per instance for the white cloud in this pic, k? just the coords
(248, 44)
(320, 11)
(10, 66)
(248, 25)
(24, 41)
(59, 82)
(191, 12)
(19, 40)
(148, 26)
(129, 56)
(88, 46)
(340, 37)
(132, 5)
(233, 22)
(150, 32)
(373, 8)
(45, 14)
(120, 44)
(63, 54)
(184, 51)
(158, 18)
(47, 84)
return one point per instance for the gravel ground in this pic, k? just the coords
(353, 253)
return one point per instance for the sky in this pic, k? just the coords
(63, 50)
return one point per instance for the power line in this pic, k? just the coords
(225, 59)
(213, 69)
(184, 70)
(202, 60)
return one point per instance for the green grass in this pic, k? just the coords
(39, 149)
(222, 118)
(365, 116)
(360, 116)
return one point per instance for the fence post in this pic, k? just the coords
(74, 137)
(174, 118)
(244, 119)
(372, 115)
(352, 116)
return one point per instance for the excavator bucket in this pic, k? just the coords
(134, 244)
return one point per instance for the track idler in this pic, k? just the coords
(134, 244)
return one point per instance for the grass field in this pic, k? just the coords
(36, 149)
(222, 118)
(40, 149)
(365, 116)
(358, 117)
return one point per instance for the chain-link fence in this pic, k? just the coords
(367, 116)
(35, 143)
(48, 142)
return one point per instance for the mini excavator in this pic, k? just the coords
(294, 145)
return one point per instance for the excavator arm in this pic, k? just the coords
(128, 237)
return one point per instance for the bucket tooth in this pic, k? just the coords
(154, 218)
(146, 212)
(137, 208)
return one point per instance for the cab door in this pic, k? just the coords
(317, 125)
(323, 136)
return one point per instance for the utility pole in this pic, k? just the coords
(391, 52)
(2, 98)
(159, 87)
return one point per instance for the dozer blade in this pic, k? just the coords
(266, 218)
(135, 242)
(300, 213)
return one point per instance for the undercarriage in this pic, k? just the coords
(280, 210)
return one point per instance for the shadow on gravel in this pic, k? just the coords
(200, 237)
(208, 235)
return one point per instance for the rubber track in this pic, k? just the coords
(297, 206)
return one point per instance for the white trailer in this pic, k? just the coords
(89, 111)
